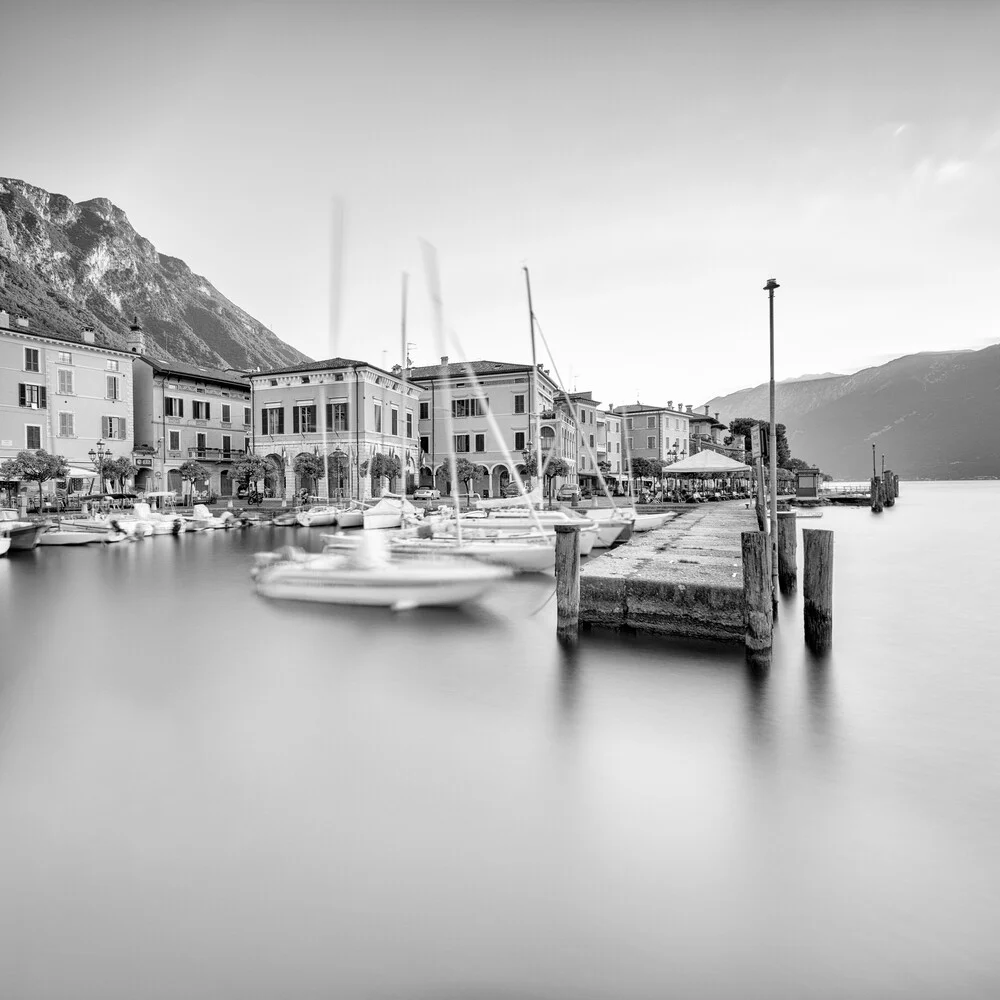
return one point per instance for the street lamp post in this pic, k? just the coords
(773, 451)
(97, 458)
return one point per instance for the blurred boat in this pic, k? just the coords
(4, 544)
(350, 515)
(23, 535)
(389, 512)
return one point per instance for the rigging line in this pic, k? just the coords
(542, 605)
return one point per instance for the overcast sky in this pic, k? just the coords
(652, 163)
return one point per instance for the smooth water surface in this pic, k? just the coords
(204, 794)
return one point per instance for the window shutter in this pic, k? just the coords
(123, 424)
(42, 397)
(281, 421)
(20, 394)
(263, 422)
(208, 411)
(295, 420)
(105, 427)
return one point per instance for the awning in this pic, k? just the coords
(705, 461)
(77, 473)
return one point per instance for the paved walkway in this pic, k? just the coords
(685, 579)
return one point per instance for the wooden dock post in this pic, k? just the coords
(787, 551)
(876, 488)
(817, 588)
(758, 614)
(567, 582)
(889, 486)
(895, 484)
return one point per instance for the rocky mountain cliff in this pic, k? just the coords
(66, 265)
(933, 416)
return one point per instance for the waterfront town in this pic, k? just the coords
(162, 421)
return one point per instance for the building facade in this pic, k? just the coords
(184, 413)
(709, 433)
(655, 432)
(348, 411)
(64, 395)
(497, 431)
(610, 451)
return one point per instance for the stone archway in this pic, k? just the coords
(275, 478)
(499, 479)
(174, 483)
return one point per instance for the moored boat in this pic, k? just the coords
(390, 512)
(23, 535)
(4, 545)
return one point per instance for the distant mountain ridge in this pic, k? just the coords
(65, 265)
(934, 415)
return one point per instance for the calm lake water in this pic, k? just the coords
(207, 795)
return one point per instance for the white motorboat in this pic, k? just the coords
(640, 522)
(4, 544)
(365, 575)
(390, 512)
(202, 515)
(350, 515)
(22, 534)
(66, 536)
(523, 555)
(159, 524)
(524, 521)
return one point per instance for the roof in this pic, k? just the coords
(61, 337)
(705, 461)
(230, 377)
(317, 366)
(646, 408)
(457, 369)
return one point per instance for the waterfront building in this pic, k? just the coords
(583, 460)
(514, 393)
(63, 394)
(186, 413)
(347, 410)
(656, 432)
(610, 450)
(709, 433)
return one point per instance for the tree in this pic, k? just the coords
(120, 470)
(530, 466)
(553, 468)
(742, 426)
(308, 466)
(249, 470)
(641, 469)
(380, 465)
(193, 471)
(466, 472)
(35, 467)
(339, 467)
(796, 463)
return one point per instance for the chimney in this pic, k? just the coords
(717, 416)
(136, 337)
(4, 318)
(88, 334)
(444, 359)
(689, 408)
(670, 404)
(22, 321)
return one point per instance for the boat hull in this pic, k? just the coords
(532, 557)
(4, 545)
(23, 537)
(69, 538)
(382, 519)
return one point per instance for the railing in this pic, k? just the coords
(215, 454)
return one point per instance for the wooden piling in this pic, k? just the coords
(876, 490)
(567, 582)
(817, 588)
(787, 571)
(888, 486)
(758, 615)
(895, 484)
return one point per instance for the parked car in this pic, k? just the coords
(426, 493)
(568, 492)
(511, 490)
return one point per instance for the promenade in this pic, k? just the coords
(685, 579)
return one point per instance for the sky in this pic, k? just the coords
(652, 164)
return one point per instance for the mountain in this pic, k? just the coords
(809, 378)
(65, 265)
(933, 416)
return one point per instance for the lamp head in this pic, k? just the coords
(771, 285)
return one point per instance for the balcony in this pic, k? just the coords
(215, 454)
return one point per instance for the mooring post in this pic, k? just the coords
(888, 485)
(895, 484)
(567, 582)
(758, 613)
(817, 588)
(787, 571)
(876, 488)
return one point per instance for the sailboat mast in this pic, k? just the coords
(402, 388)
(536, 409)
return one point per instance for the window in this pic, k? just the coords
(519, 441)
(394, 421)
(200, 409)
(630, 444)
(174, 439)
(304, 419)
(32, 437)
(201, 443)
(227, 412)
(425, 445)
(65, 379)
(378, 418)
(305, 378)
(227, 444)
(31, 359)
(409, 424)
(112, 392)
(480, 442)
(113, 428)
(591, 440)
(32, 396)
(173, 407)
(650, 421)
(272, 420)
(247, 416)
(460, 408)
(274, 381)
(67, 425)
(461, 443)
(519, 403)
(65, 358)
(628, 423)
(112, 365)
(425, 411)
(336, 417)
(651, 442)
(246, 445)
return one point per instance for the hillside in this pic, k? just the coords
(932, 415)
(66, 265)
